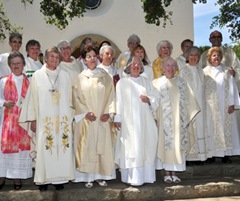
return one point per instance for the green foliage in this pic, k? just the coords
(5, 24)
(204, 48)
(58, 12)
(230, 17)
(155, 10)
(236, 49)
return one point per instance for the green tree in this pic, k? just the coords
(236, 49)
(59, 12)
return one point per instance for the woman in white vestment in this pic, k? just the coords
(33, 49)
(15, 161)
(222, 100)
(48, 110)
(193, 75)
(69, 63)
(136, 145)
(177, 108)
(140, 51)
(94, 134)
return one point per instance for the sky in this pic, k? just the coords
(203, 14)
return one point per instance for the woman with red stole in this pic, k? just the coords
(15, 161)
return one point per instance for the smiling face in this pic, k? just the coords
(169, 68)
(66, 53)
(52, 60)
(215, 58)
(165, 50)
(91, 60)
(33, 52)
(216, 39)
(15, 44)
(139, 53)
(107, 57)
(193, 58)
(135, 67)
(16, 66)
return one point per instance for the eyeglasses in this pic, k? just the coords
(216, 37)
(16, 63)
(89, 57)
(15, 41)
(65, 48)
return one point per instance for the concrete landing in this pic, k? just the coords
(204, 181)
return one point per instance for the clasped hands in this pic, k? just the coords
(91, 117)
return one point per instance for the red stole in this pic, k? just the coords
(14, 137)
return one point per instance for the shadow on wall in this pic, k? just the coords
(75, 43)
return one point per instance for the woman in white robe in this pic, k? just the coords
(136, 144)
(193, 75)
(222, 98)
(15, 161)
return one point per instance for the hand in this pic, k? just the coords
(33, 126)
(104, 117)
(231, 109)
(117, 125)
(9, 104)
(90, 116)
(232, 72)
(145, 99)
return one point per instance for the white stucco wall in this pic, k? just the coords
(114, 19)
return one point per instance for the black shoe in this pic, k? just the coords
(210, 160)
(226, 159)
(1, 185)
(43, 187)
(59, 187)
(17, 186)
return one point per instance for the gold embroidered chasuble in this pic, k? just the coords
(94, 141)
(177, 108)
(54, 115)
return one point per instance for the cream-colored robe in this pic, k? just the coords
(193, 75)
(94, 141)
(221, 92)
(74, 68)
(54, 140)
(177, 108)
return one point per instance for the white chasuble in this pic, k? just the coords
(49, 102)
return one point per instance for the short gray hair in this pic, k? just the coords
(193, 49)
(130, 61)
(62, 43)
(101, 51)
(161, 43)
(133, 37)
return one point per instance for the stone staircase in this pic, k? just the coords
(208, 180)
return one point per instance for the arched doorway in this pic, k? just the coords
(75, 43)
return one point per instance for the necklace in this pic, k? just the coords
(52, 90)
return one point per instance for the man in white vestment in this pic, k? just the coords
(181, 59)
(177, 108)
(136, 145)
(69, 63)
(48, 108)
(229, 59)
(33, 49)
(222, 101)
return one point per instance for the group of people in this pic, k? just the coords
(80, 119)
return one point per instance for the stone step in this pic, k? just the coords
(208, 180)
